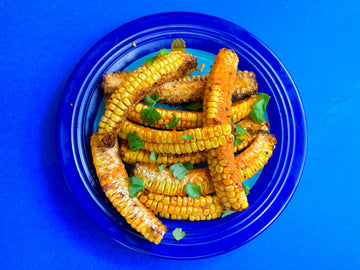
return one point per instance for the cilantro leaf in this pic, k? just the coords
(161, 167)
(136, 185)
(153, 156)
(178, 234)
(193, 190)
(239, 132)
(179, 171)
(226, 213)
(237, 140)
(152, 100)
(246, 189)
(187, 137)
(196, 106)
(150, 116)
(134, 141)
(173, 121)
(188, 165)
(259, 109)
(162, 52)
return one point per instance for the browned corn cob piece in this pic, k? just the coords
(136, 85)
(165, 183)
(183, 207)
(172, 142)
(112, 81)
(143, 156)
(217, 104)
(189, 88)
(188, 119)
(249, 162)
(114, 181)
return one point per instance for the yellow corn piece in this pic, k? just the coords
(175, 142)
(182, 207)
(112, 81)
(136, 85)
(114, 181)
(217, 103)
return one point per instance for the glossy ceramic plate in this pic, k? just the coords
(204, 35)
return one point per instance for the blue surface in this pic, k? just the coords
(44, 227)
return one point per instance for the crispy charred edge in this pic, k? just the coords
(189, 119)
(249, 162)
(186, 89)
(143, 156)
(183, 207)
(136, 85)
(172, 142)
(114, 181)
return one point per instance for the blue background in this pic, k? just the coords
(42, 224)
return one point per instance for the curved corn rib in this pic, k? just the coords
(114, 181)
(187, 89)
(136, 85)
(183, 207)
(172, 142)
(217, 103)
(189, 119)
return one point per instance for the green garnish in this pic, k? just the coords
(193, 190)
(162, 52)
(152, 100)
(187, 137)
(178, 234)
(161, 167)
(153, 156)
(259, 109)
(237, 140)
(246, 189)
(134, 141)
(196, 106)
(151, 115)
(173, 121)
(179, 171)
(136, 185)
(188, 165)
(239, 131)
(226, 213)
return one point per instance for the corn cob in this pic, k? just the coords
(249, 162)
(165, 183)
(217, 103)
(114, 181)
(112, 81)
(143, 156)
(183, 207)
(172, 142)
(189, 88)
(136, 85)
(189, 119)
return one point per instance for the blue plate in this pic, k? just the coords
(205, 35)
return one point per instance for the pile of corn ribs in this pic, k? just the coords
(212, 134)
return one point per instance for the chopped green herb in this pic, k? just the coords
(178, 234)
(237, 140)
(226, 213)
(152, 100)
(188, 165)
(134, 141)
(239, 132)
(162, 52)
(153, 156)
(187, 137)
(161, 167)
(246, 189)
(179, 171)
(193, 190)
(150, 115)
(196, 106)
(136, 185)
(173, 121)
(259, 109)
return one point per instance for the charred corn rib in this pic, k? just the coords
(165, 183)
(112, 81)
(249, 162)
(217, 104)
(143, 156)
(114, 181)
(189, 119)
(183, 207)
(136, 85)
(173, 142)
(189, 88)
